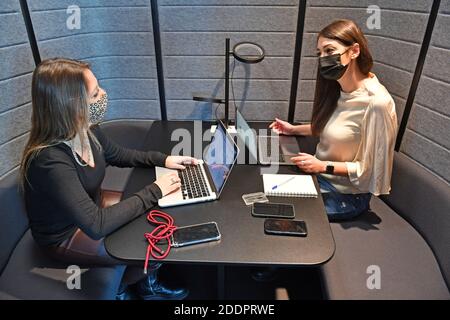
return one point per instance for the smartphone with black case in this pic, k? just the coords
(285, 227)
(194, 234)
(274, 210)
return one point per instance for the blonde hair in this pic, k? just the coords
(59, 107)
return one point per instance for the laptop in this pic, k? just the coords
(273, 149)
(206, 180)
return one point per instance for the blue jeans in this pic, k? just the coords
(342, 206)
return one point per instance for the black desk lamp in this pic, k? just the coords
(246, 52)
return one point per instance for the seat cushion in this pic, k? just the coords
(30, 274)
(423, 199)
(408, 268)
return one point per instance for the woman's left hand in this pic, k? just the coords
(178, 162)
(308, 163)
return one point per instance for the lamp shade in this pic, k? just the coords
(248, 52)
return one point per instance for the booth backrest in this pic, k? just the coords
(128, 133)
(424, 201)
(13, 217)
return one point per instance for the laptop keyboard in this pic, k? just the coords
(269, 151)
(193, 184)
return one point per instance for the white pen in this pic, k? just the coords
(276, 186)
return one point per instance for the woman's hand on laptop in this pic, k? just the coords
(168, 183)
(178, 162)
(282, 127)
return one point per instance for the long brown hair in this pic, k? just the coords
(328, 91)
(59, 107)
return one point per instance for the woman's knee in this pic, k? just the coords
(344, 207)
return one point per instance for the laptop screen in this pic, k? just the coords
(246, 134)
(220, 157)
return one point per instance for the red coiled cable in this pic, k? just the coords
(164, 230)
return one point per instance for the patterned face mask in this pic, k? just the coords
(97, 109)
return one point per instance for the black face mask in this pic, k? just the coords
(330, 67)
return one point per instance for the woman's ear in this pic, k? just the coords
(355, 51)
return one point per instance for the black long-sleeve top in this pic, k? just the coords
(62, 196)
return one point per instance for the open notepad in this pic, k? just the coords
(289, 185)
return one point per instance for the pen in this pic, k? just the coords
(276, 186)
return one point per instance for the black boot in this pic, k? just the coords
(126, 294)
(150, 288)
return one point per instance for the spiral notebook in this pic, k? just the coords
(289, 185)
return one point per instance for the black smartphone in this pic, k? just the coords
(285, 227)
(275, 210)
(194, 234)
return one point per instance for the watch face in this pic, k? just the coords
(330, 168)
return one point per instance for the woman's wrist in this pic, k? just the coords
(156, 190)
(302, 129)
(339, 168)
(298, 130)
(323, 166)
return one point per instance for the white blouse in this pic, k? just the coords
(361, 132)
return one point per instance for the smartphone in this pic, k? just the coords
(275, 210)
(194, 234)
(285, 227)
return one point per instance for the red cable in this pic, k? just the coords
(164, 230)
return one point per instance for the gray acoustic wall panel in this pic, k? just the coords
(193, 36)
(427, 137)
(395, 46)
(16, 66)
(116, 38)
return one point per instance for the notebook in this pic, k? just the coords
(289, 185)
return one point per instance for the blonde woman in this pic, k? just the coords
(63, 166)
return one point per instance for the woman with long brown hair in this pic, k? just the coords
(63, 166)
(354, 117)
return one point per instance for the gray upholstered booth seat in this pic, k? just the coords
(411, 245)
(30, 274)
(25, 271)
